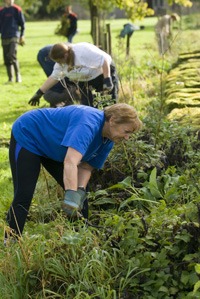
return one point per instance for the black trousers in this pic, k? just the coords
(10, 53)
(25, 168)
(87, 97)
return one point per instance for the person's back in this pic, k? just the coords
(60, 94)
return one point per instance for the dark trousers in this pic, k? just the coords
(10, 53)
(70, 36)
(87, 96)
(25, 167)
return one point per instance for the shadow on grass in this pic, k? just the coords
(12, 115)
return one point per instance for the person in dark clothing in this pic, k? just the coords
(63, 93)
(72, 28)
(11, 19)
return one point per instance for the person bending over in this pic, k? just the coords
(76, 140)
(62, 93)
(90, 68)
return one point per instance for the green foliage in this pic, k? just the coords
(186, 3)
(62, 28)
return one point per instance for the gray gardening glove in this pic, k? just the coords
(72, 202)
(82, 192)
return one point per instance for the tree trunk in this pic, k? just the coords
(95, 23)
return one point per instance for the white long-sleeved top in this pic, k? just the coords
(88, 63)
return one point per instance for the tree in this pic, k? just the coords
(134, 9)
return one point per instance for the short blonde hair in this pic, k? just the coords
(122, 114)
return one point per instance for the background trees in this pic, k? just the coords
(98, 9)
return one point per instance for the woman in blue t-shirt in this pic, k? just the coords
(69, 142)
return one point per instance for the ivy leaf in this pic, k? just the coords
(153, 186)
(105, 200)
(126, 183)
(197, 268)
(196, 287)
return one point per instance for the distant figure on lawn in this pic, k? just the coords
(68, 24)
(11, 19)
(163, 30)
(129, 29)
(72, 28)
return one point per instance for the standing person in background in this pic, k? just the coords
(72, 18)
(87, 66)
(163, 30)
(11, 19)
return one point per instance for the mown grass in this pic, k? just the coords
(136, 248)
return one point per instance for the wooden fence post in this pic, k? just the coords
(127, 45)
(108, 39)
(96, 31)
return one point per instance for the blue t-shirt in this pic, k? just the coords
(48, 132)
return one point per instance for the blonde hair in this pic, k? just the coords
(122, 114)
(59, 51)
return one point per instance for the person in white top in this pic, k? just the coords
(89, 67)
(163, 30)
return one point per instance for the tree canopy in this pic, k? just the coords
(134, 9)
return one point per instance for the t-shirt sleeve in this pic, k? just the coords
(57, 73)
(101, 156)
(78, 137)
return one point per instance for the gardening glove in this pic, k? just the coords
(82, 192)
(35, 100)
(21, 41)
(72, 202)
(107, 84)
